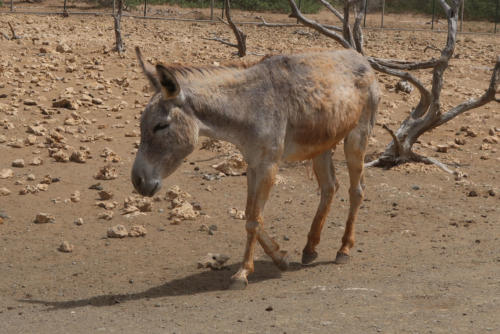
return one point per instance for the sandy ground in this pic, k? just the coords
(427, 254)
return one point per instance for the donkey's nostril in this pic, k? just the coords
(137, 181)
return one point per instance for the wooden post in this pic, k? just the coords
(223, 8)
(462, 16)
(145, 7)
(212, 10)
(366, 6)
(11, 5)
(114, 6)
(383, 12)
(496, 16)
(433, 13)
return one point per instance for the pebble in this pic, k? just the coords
(106, 215)
(19, 163)
(105, 195)
(44, 218)
(66, 247)
(36, 161)
(4, 191)
(137, 231)
(117, 231)
(472, 193)
(79, 221)
(6, 173)
(75, 197)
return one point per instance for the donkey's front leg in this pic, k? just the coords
(259, 181)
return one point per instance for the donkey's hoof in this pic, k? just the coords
(342, 258)
(283, 264)
(307, 258)
(239, 283)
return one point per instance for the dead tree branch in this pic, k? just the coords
(119, 46)
(14, 36)
(220, 40)
(427, 114)
(241, 38)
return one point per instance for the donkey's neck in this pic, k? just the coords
(226, 102)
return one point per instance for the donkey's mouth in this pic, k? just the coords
(145, 187)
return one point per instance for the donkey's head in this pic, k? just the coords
(169, 132)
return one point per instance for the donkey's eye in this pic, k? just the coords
(160, 126)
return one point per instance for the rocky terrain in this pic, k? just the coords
(80, 252)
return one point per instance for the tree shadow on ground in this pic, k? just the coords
(206, 281)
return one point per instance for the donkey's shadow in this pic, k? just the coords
(202, 282)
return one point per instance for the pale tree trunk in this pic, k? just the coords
(119, 46)
(427, 114)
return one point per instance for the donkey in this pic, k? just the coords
(283, 108)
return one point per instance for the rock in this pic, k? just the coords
(106, 173)
(404, 86)
(79, 221)
(175, 192)
(460, 141)
(137, 231)
(75, 197)
(63, 48)
(96, 186)
(442, 148)
(97, 101)
(42, 187)
(137, 203)
(78, 156)
(30, 140)
(4, 191)
(60, 156)
(6, 173)
(19, 163)
(37, 130)
(472, 193)
(36, 162)
(30, 177)
(491, 140)
(117, 231)
(65, 103)
(213, 261)
(185, 212)
(29, 102)
(44, 218)
(491, 192)
(106, 215)
(66, 247)
(237, 214)
(105, 195)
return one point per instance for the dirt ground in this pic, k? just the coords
(427, 258)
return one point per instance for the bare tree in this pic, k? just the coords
(241, 38)
(119, 47)
(428, 113)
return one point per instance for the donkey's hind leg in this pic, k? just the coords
(325, 174)
(354, 148)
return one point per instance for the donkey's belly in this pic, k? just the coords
(298, 152)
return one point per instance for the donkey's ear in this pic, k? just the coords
(148, 70)
(169, 86)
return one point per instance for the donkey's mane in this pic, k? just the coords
(185, 71)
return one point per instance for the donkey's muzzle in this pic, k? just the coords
(143, 182)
